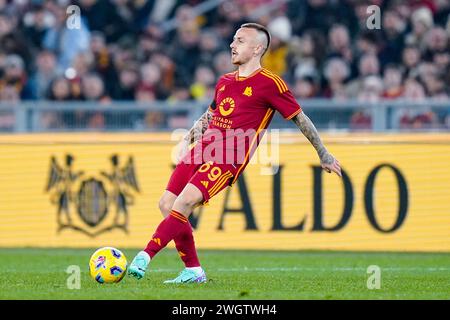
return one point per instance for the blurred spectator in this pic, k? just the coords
(93, 89)
(222, 63)
(442, 11)
(36, 23)
(128, 82)
(14, 79)
(316, 14)
(109, 16)
(339, 43)
(422, 21)
(12, 40)
(309, 49)
(64, 42)
(82, 64)
(204, 84)
(336, 72)
(162, 50)
(102, 63)
(8, 93)
(435, 87)
(147, 46)
(161, 10)
(436, 41)
(230, 16)
(305, 88)
(424, 71)
(275, 58)
(150, 84)
(185, 53)
(367, 43)
(442, 61)
(417, 118)
(413, 90)
(60, 90)
(392, 37)
(392, 78)
(411, 58)
(210, 45)
(46, 71)
(119, 37)
(368, 66)
(179, 94)
(167, 67)
(372, 89)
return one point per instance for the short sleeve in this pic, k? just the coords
(212, 105)
(281, 99)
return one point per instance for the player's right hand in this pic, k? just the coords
(331, 164)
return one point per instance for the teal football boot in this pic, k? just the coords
(139, 265)
(188, 276)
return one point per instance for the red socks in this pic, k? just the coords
(175, 227)
(185, 245)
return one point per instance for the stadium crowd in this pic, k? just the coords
(131, 50)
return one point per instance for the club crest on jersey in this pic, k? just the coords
(248, 92)
(226, 106)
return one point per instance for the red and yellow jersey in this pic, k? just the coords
(242, 109)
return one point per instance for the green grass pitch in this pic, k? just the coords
(41, 274)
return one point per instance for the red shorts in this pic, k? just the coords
(210, 178)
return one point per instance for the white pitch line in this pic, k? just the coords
(288, 269)
(244, 269)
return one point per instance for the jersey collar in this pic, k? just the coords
(239, 78)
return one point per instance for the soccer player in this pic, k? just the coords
(221, 144)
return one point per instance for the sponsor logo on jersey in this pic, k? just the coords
(226, 106)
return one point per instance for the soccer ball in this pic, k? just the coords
(108, 265)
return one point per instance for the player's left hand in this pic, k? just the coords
(331, 164)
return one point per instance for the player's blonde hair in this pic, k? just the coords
(261, 29)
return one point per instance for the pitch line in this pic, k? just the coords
(290, 269)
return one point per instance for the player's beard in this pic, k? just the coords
(239, 59)
(235, 60)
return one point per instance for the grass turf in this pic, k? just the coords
(41, 274)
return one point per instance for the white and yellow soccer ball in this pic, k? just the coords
(108, 265)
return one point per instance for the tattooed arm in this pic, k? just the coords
(199, 128)
(328, 162)
(195, 133)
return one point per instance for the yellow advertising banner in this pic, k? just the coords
(92, 190)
